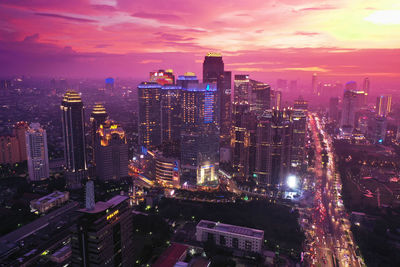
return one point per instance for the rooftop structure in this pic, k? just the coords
(230, 236)
(45, 203)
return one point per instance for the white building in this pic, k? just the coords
(36, 148)
(231, 236)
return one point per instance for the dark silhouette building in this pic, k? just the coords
(73, 126)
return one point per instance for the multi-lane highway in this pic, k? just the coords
(330, 239)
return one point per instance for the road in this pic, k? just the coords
(329, 228)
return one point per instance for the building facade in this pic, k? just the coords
(149, 95)
(36, 147)
(103, 235)
(73, 127)
(231, 236)
(111, 152)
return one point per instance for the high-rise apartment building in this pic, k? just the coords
(36, 147)
(73, 126)
(111, 152)
(149, 95)
(199, 135)
(103, 235)
(274, 134)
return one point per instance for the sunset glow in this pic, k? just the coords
(100, 37)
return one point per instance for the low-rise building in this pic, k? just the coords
(45, 203)
(231, 236)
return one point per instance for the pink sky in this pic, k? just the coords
(289, 39)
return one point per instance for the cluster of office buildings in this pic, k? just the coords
(247, 129)
(356, 119)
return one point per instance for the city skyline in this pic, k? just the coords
(337, 39)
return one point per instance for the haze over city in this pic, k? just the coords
(269, 39)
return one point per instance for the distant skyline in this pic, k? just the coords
(290, 39)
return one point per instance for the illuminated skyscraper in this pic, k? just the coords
(188, 78)
(260, 96)
(240, 138)
(199, 135)
(366, 85)
(171, 111)
(274, 133)
(276, 99)
(226, 109)
(73, 126)
(102, 235)
(111, 152)
(98, 116)
(383, 105)
(300, 104)
(242, 88)
(298, 142)
(213, 72)
(162, 77)
(149, 94)
(36, 147)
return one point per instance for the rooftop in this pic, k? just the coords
(228, 228)
(49, 198)
(102, 206)
(171, 255)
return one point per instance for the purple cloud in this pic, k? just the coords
(65, 17)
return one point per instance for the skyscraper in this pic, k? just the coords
(298, 142)
(199, 135)
(349, 108)
(171, 110)
(260, 96)
(240, 138)
(73, 126)
(111, 152)
(226, 109)
(149, 94)
(383, 105)
(36, 147)
(103, 235)
(333, 113)
(213, 72)
(242, 88)
(98, 116)
(314, 84)
(366, 85)
(274, 132)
